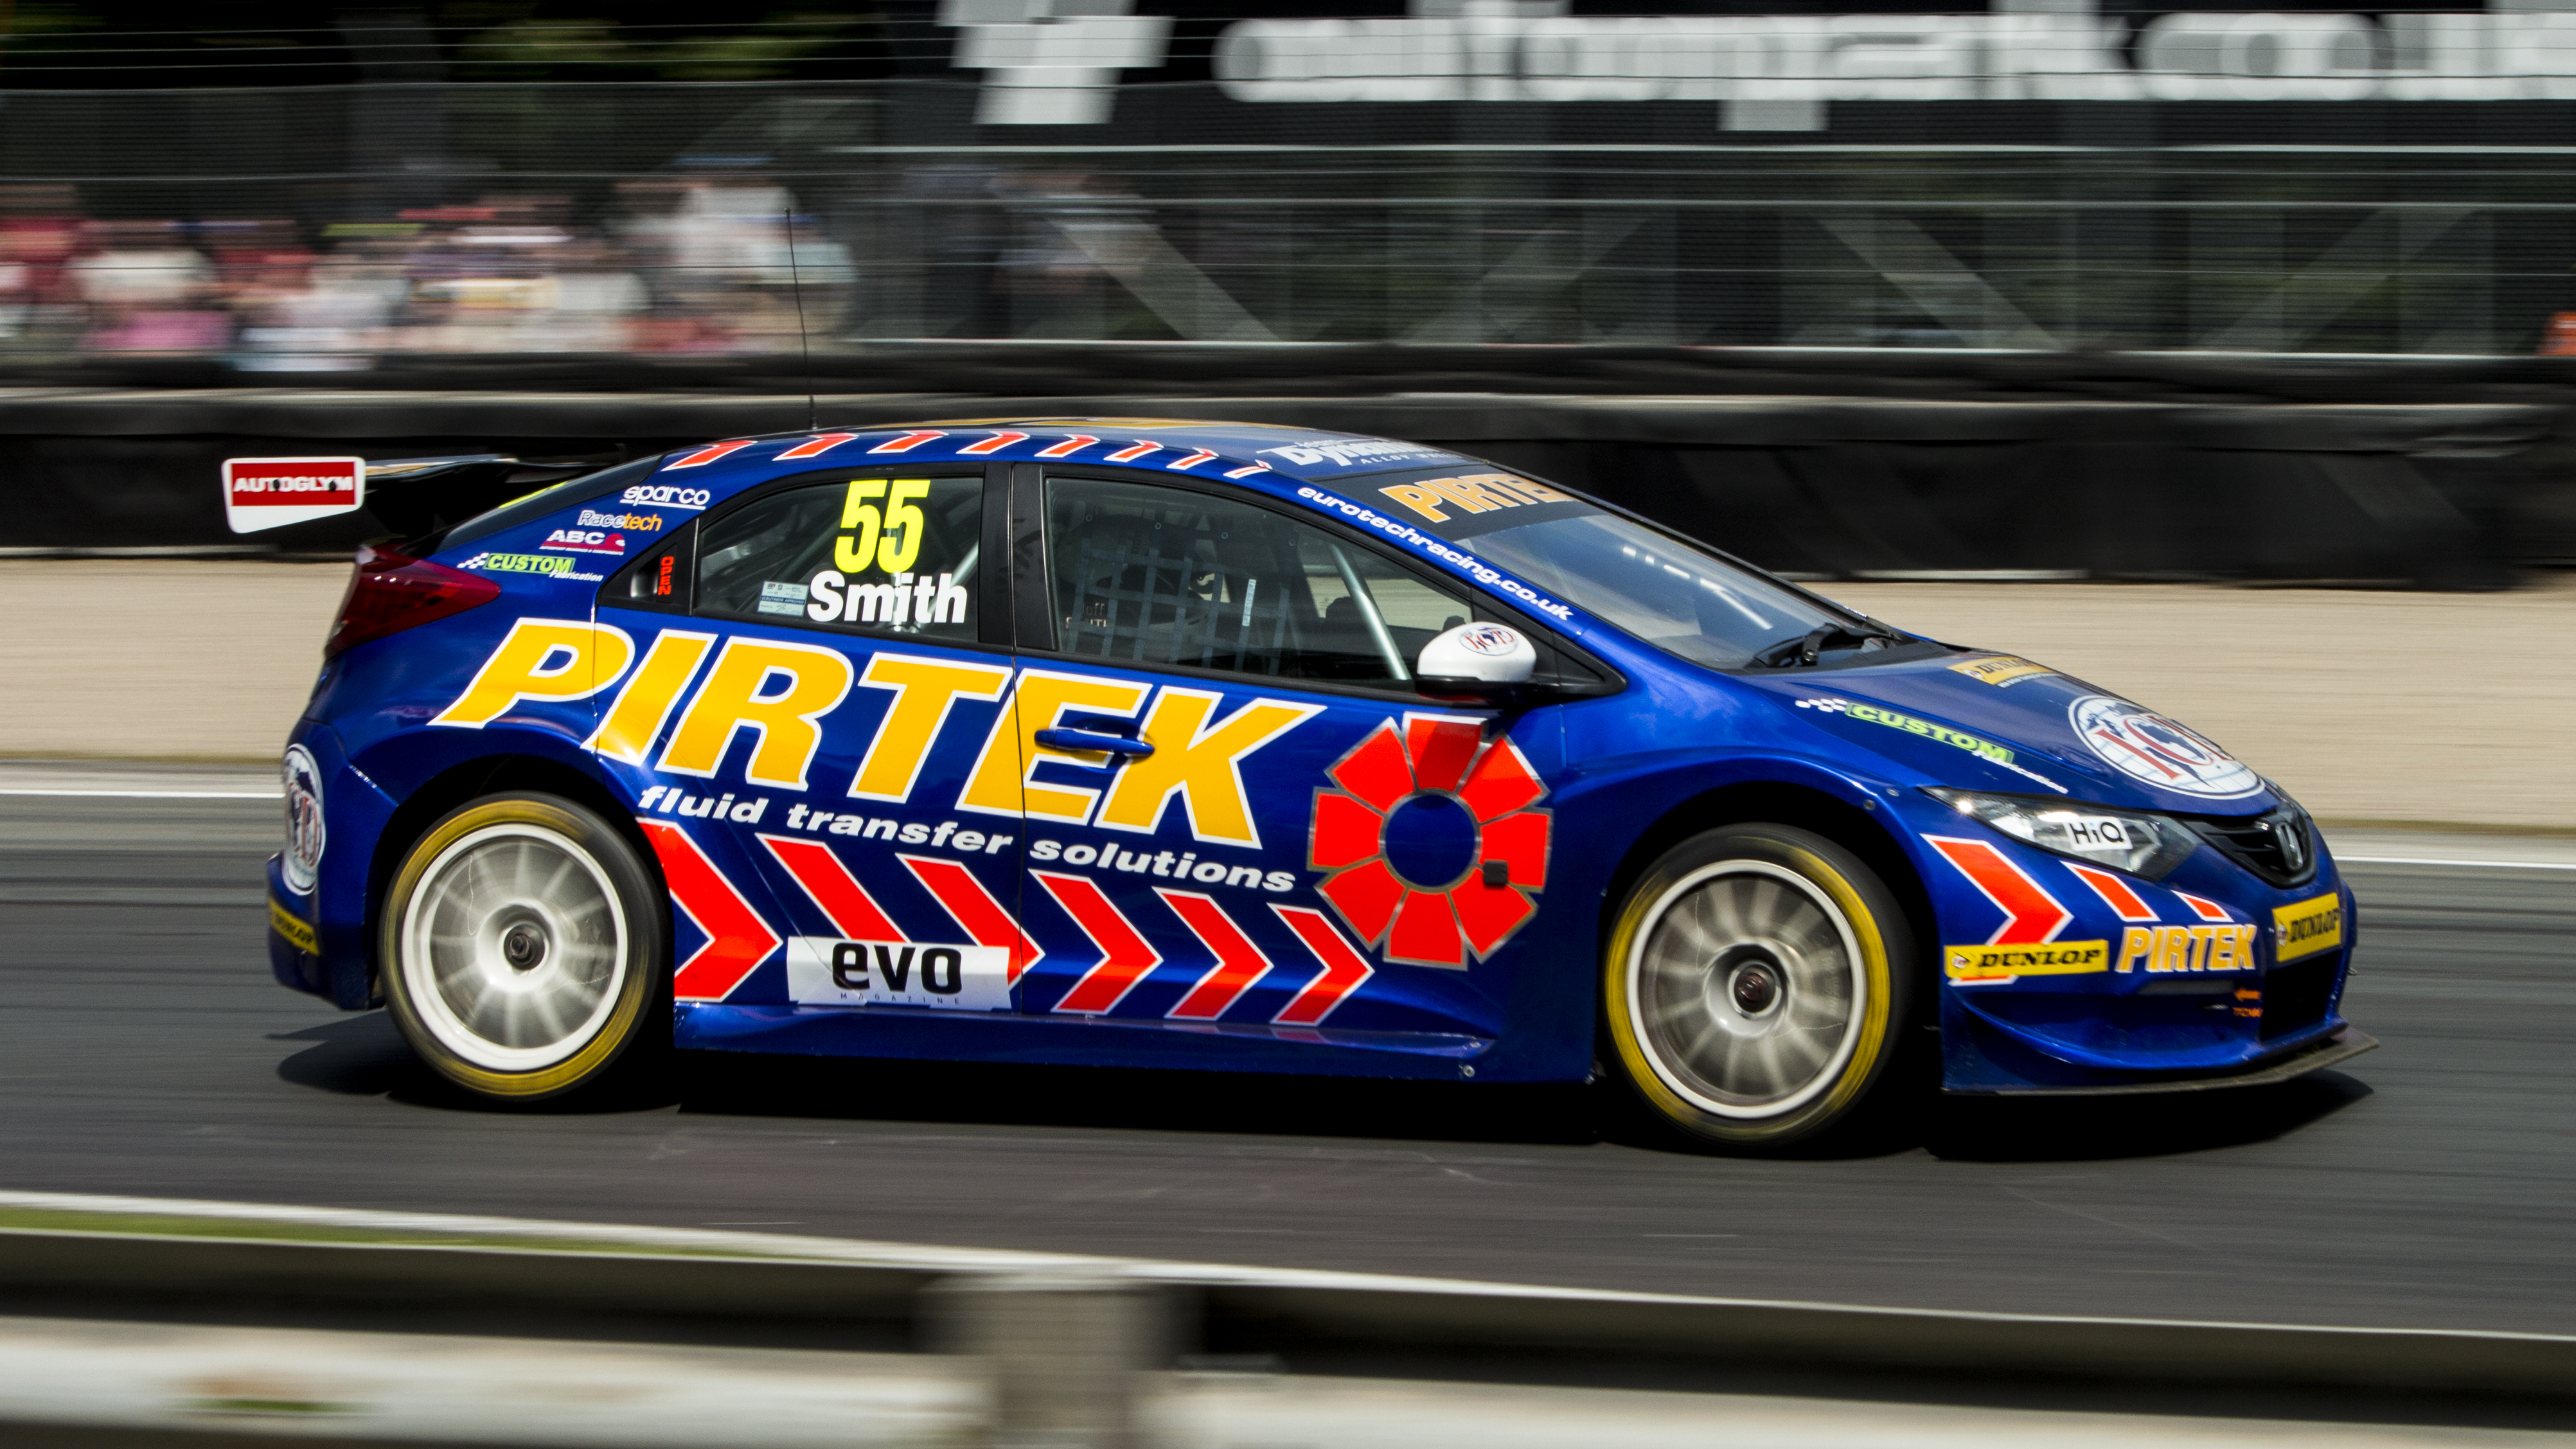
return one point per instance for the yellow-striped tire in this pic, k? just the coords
(523, 946)
(1755, 984)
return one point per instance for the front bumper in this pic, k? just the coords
(2062, 977)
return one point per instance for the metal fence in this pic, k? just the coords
(338, 227)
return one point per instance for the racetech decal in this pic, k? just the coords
(1476, 568)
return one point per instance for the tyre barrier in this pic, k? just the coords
(1065, 1338)
(2448, 495)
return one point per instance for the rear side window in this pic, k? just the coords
(876, 551)
(1145, 575)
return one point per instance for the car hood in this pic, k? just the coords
(1997, 722)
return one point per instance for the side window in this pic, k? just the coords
(1148, 575)
(877, 552)
(658, 579)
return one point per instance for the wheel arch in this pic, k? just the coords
(484, 775)
(1867, 833)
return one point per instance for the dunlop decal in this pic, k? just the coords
(2308, 927)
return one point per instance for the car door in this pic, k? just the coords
(800, 721)
(1240, 815)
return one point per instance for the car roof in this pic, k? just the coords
(1241, 452)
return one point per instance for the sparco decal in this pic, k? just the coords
(663, 495)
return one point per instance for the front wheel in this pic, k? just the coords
(522, 946)
(1754, 984)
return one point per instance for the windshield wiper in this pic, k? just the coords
(1792, 652)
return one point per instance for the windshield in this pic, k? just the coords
(1663, 591)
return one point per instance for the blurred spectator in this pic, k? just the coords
(697, 264)
(148, 291)
(40, 231)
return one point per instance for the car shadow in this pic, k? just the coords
(2096, 1129)
(365, 1056)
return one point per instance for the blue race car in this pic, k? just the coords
(1178, 744)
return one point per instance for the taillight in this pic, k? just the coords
(392, 592)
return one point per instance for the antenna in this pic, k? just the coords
(796, 281)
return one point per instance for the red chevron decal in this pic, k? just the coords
(1068, 447)
(816, 446)
(1239, 963)
(2031, 914)
(2206, 910)
(1192, 461)
(2115, 893)
(1134, 451)
(1344, 968)
(965, 898)
(711, 452)
(1125, 956)
(738, 940)
(828, 883)
(907, 442)
(1247, 472)
(993, 444)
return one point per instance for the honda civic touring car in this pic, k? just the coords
(1152, 743)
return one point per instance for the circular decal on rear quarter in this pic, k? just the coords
(303, 858)
(2147, 746)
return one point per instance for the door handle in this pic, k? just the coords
(1063, 739)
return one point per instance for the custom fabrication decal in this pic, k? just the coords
(2000, 669)
(551, 565)
(1984, 749)
(2147, 746)
(2308, 927)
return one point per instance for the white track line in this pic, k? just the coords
(2480, 864)
(156, 794)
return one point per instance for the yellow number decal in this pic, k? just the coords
(854, 557)
(901, 548)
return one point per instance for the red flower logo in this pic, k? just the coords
(1480, 793)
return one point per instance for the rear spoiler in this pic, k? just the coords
(409, 496)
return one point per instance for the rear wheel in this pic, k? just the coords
(523, 945)
(1754, 984)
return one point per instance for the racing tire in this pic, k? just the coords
(1755, 984)
(524, 945)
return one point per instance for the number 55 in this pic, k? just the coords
(894, 538)
(903, 525)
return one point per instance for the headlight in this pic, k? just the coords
(2142, 845)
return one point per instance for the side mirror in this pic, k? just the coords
(1475, 661)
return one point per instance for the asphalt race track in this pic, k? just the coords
(145, 1050)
